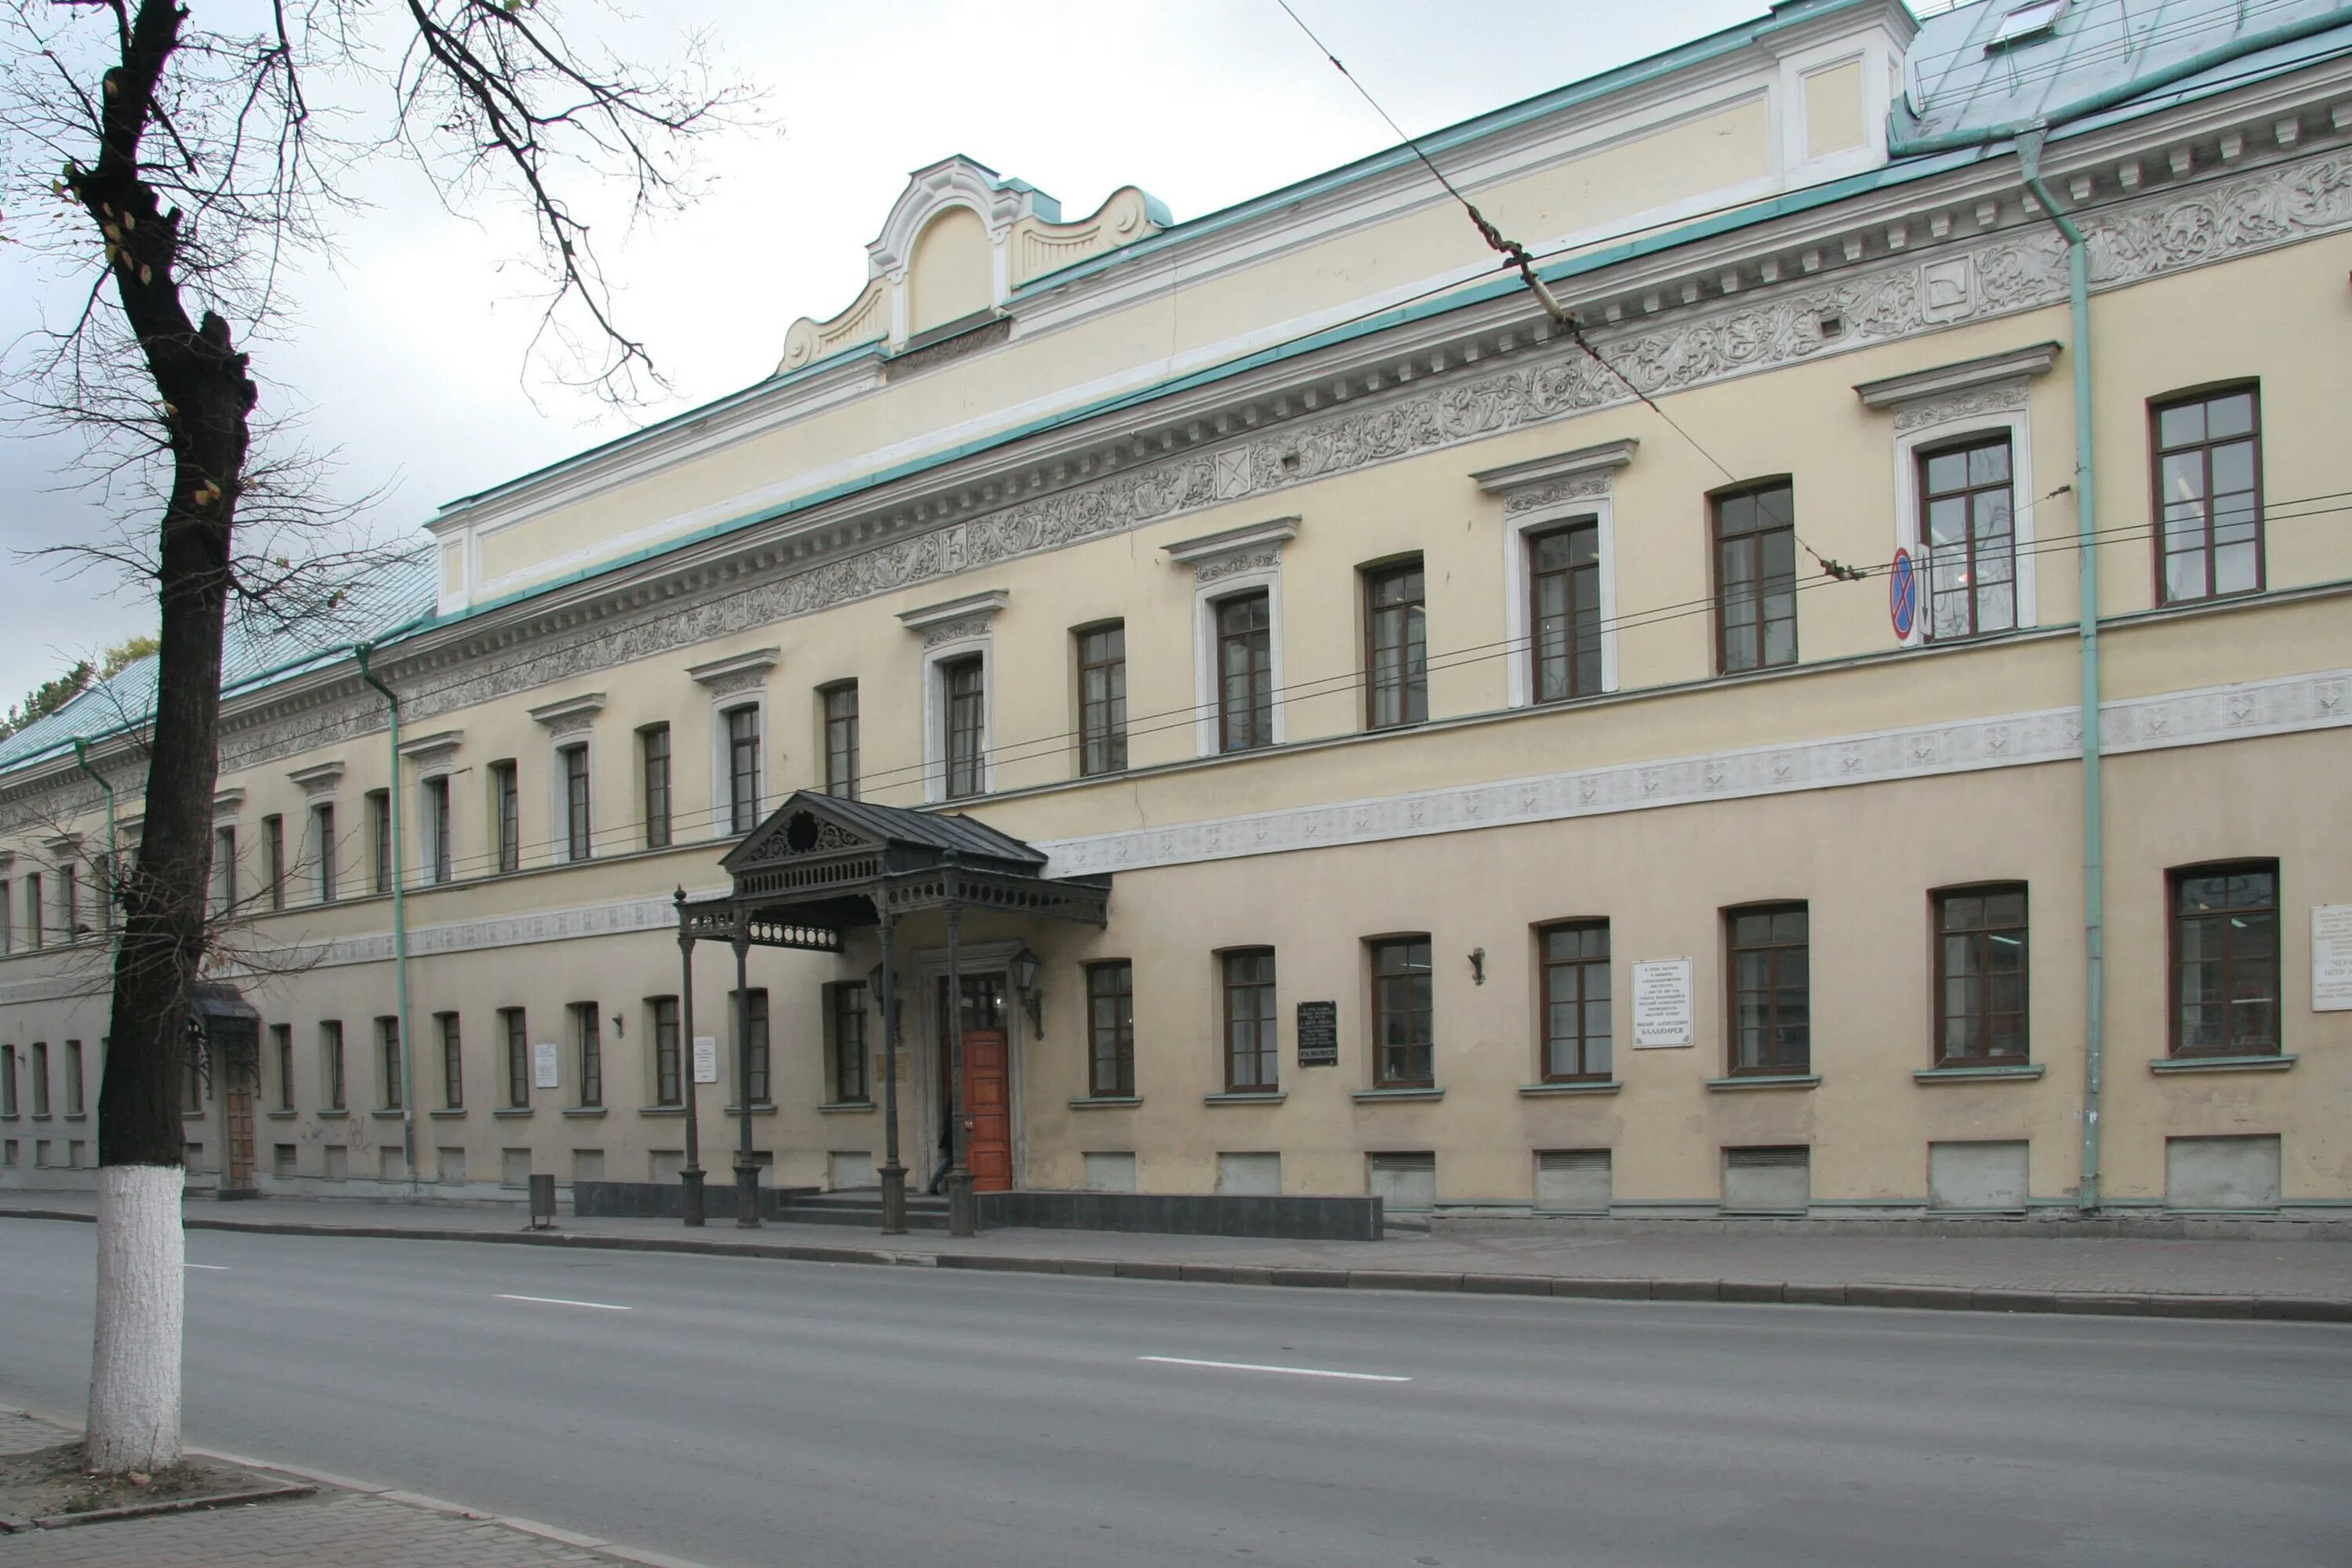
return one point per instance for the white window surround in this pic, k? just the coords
(953, 630)
(569, 723)
(435, 757)
(1935, 407)
(1542, 493)
(738, 681)
(1227, 565)
(935, 709)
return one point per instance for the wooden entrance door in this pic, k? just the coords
(237, 1070)
(987, 1088)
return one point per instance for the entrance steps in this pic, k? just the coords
(862, 1206)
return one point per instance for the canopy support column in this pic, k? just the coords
(747, 1170)
(963, 1216)
(690, 1178)
(894, 1175)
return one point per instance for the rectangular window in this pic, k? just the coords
(7, 1080)
(223, 875)
(1966, 519)
(588, 1037)
(35, 917)
(2208, 495)
(1102, 700)
(453, 1062)
(440, 851)
(273, 860)
(8, 919)
(322, 835)
(841, 740)
(40, 1078)
(1771, 990)
(668, 1089)
(75, 1099)
(2225, 960)
(506, 806)
(1756, 577)
(754, 1046)
(1252, 1035)
(517, 1043)
(743, 769)
(281, 1051)
(192, 1079)
(69, 901)
(575, 801)
(1576, 1003)
(1110, 1029)
(387, 1035)
(330, 1062)
(1564, 609)
(849, 1085)
(1396, 647)
(961, 685)
(1980, 976)
(1244, 672)
(379, 804)
(653, 755)
(1402, 1006)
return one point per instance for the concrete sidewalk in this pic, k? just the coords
(2284, 1279)
(340, 1524)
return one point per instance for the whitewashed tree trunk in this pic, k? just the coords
(134, 1386)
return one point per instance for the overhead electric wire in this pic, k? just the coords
(1518, 257)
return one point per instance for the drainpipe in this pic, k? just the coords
(399, 932)
(2086, 556)
(81, 761)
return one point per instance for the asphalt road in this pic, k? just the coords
(826, 1415)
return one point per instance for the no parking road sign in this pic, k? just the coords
(1902, 593)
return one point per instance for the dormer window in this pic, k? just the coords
(2027, 23)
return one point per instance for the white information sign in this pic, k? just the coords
(2331, 958)
(706, 1058)
(1662, 1003)
(542, 1065)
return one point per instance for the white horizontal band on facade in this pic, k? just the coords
(2281, 706)
(2286, 705)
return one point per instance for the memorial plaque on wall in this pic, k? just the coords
(1319, 1034)
(542, 1065)
(1662, 1003)
(2331, 958)
(706, 1058)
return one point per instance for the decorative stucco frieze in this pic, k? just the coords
(2001, 397)
(1584, 486)
(1218, 567)
(2013, 272)
(963, 630)
(2280, 706)
(1902, 296)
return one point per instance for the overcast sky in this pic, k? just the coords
(409, 355)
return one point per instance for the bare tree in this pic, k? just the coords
(186, 166)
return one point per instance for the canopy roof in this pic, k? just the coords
(821, 865)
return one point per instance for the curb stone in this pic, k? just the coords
(1913, 1298)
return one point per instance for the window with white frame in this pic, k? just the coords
(742, 767)
(439, 846)
(573, 780)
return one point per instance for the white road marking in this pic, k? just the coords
(559, 1302)
(1287, 1371)
(215, 1268)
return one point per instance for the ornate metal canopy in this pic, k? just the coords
(820, 866)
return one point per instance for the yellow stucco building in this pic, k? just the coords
(1632, 767)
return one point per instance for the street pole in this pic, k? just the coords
(894, 1175)
(690, 1178)
(747, 1172)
